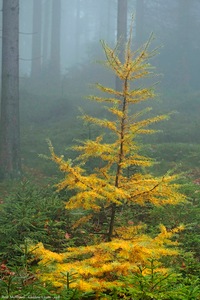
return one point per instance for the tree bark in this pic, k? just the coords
(10, 160)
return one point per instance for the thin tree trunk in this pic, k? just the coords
(121, 38)
(10, 160)
(121, 156)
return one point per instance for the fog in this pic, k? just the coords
(83, 23)
(81, 27)
(59, 43)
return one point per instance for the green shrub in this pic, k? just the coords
(149, 284)
(34, 213)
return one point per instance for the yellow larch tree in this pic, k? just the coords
(111, 188)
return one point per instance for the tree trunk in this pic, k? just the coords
(36, 41)
(121, 39)
(10, 160)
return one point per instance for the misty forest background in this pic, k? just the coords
(58, 54)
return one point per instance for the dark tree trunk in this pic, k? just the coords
(10, 160)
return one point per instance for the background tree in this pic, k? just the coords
(10, 160)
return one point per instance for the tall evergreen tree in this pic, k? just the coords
(10, 160)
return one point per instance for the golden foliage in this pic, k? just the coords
(99, 267)
(112, 184)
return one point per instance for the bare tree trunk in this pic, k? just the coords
(36, 41)
(10, 160)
